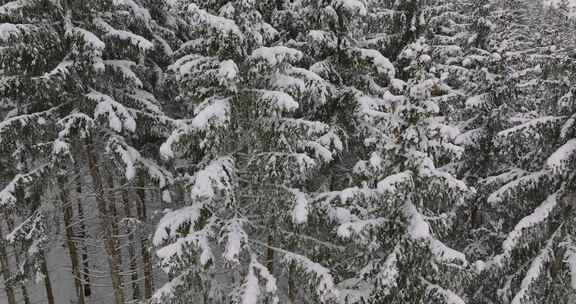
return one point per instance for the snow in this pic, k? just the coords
(449, 296)
(350, 6)
(391, 183)
(568, 127)
(12, 6)
(529, 181)
(8, 30)
(136, 9)
(128, 155)
(276, 55)
(446, 254)
(168, 225)
(389, 272)
(570, 260)
(227, 72)
(142, 43)
(7, 195)
(355, 228)
(177, 249)
(540, 214)
(214, 178)
(530, 126)
(300, 211)
(213, 112)
(418, 228)
(125, 68)
(215, 24)
(326, 289)
(90, 38)
(382, 64)
(75, 122)
(267, 277)
(534, 272)
(251, 288)
(476, 101)
(233, 236)
(278, 100)
(117, 115)
(562, 158)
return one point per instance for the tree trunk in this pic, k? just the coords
(6, 270)
(23, 290)
(144, 242)
(70, 242)
(131, 250)
(47, 283)
(270, 253)
(102, 204)
(113, 214)
(82, 236)
(291, 285)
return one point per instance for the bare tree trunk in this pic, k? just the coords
(5, 269)
(70, 242)
(131, 250)
(23, 290)
(270, 253)
(144, 242)
(109, 243)
(82, 236)
(291, 285)
(113, 214)
(47, 283)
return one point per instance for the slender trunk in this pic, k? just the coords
(23, 289)
(5, 270)
(25, 295)
(102, 204)
(47, 283)
(70, 242)
(113, 214)
(144, 242)
(82, 237)
(270, 253)
(131, 249)
(291, 285)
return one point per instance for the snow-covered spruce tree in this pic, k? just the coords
(246, 157)
(89, 102)
(527, 189)
(392, 125)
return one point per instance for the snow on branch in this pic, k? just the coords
(214, 24)
(8, 194)
(351, 7)
(526, 225)
(233, 236)
(570, 261)
(119, 118)
(325, 289)
(535, 271)
(525, 183)
(136, 40)
(167, 228)
(213, 112)
(275, 56)
(301, 205)
(440, 293)
(251, 287)
(124, 68)
(214, 179)
(562, 160)
(381, 64)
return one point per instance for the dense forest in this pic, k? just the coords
(287, 151)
